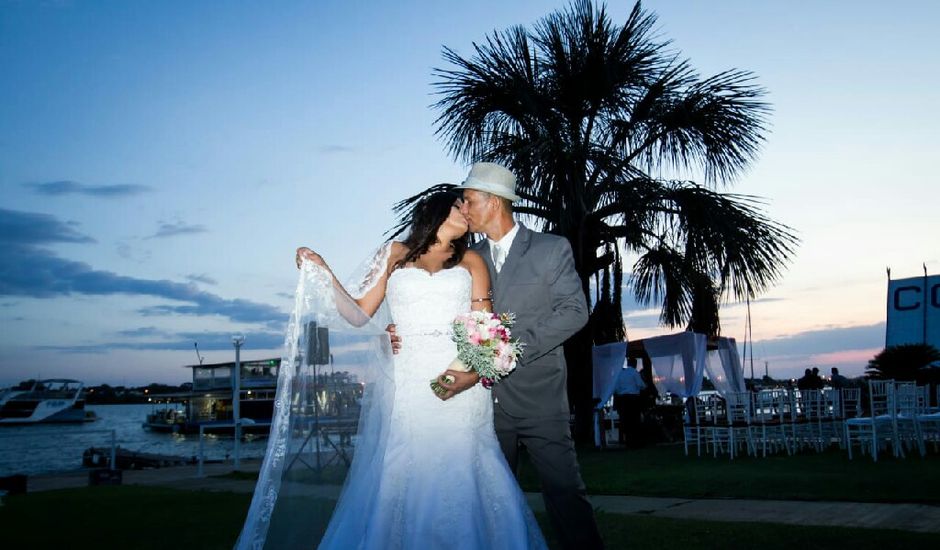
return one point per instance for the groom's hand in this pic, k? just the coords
(462, 381)
(394, 338)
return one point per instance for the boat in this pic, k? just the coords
(8, 393)
(209, 407)
(167, 420)
(54, 400)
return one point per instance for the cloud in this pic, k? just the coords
(824, 341)
(208, 341)
(141, 331)
(848, 348)
(201, 278)
(133, 253)
(28, 270)
(30, 228)
(859, 356)
(68, 187)
(209, 304)
(177, 228)
(753, 302)
(646, 320)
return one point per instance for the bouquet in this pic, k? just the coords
(484, 345)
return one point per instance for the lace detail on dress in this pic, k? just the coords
(312, 282)
(422, 302)
(365, 277)
(360, 346)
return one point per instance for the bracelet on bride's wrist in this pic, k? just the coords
(482, 300)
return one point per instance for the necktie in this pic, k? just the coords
(499, 255)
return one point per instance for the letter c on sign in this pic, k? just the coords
(897, 298)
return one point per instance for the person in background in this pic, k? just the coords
(806, 381)
(628, 403)
(816, 381)
(838, 381)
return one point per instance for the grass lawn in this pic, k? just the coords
(666, 471)
(129, 517)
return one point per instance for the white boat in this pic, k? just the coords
(8, 393)
(55, 400)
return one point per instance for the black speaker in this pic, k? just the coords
(318, 344)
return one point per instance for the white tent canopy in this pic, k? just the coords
(608, 360)
(681, 360)
(678, 362)
(724, 369)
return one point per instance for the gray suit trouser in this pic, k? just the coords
(551, 450)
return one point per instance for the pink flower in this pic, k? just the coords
(504, 356)
(485, 337)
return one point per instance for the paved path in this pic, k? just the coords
(907, 517)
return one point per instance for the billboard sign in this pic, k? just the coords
(913, 311)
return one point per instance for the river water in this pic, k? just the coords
(46, 448)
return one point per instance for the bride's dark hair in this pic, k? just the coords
(426, 218)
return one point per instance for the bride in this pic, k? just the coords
(426, 473)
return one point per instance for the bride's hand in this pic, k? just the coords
(461, 381)
(304, 253)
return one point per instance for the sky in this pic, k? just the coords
(160, 162)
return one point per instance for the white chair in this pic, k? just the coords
(732, 429)
(850, 406)
(830, 417)
(769, 427)
(928, 424)
(694, 424)
(879, 426)
(806, 410)
(850, 403)
(908, 403)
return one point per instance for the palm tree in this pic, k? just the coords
(906, 362)
(605, 127)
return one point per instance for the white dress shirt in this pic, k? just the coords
(500, 249)
(629, 382)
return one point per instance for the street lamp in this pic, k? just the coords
(237, 340)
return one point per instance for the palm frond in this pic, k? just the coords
(585, 111)
(729, 235)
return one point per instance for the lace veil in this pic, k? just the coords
(337, 366)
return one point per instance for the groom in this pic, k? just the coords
(532, 275)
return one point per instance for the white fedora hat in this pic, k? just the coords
(491, 178)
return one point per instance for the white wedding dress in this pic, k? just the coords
(442, 480)
(425, 473)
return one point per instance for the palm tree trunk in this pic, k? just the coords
(578, 351)
(581, 383)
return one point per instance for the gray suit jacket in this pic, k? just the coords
(539, 284)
